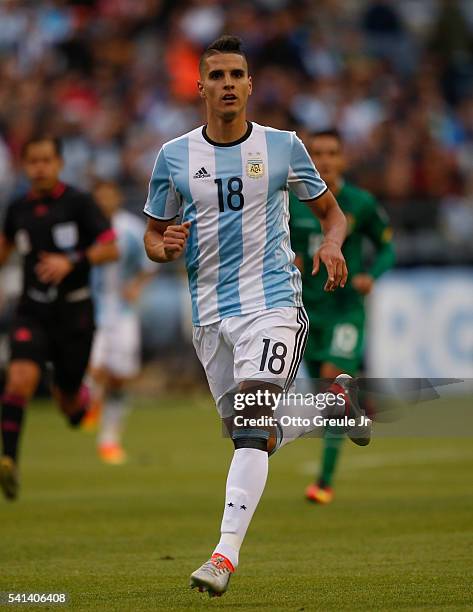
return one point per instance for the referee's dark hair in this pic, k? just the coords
(56, 142)
(223, 44)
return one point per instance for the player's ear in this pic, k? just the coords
(200, 87)
(250, 85)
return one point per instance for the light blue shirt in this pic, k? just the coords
(108, 279)
(238, 257)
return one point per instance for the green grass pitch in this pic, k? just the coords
(398, 536)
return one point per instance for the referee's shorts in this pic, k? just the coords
(60, 332)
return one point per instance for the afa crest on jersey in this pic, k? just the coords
(255, 167)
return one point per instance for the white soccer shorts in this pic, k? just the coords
(267, 345)
(116, 347)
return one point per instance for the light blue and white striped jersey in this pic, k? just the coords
(238, 256)
(107, 280)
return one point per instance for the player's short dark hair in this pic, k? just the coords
(223, 44)
(329, 132)
(56, 142)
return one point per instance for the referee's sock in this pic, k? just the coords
(13, 409)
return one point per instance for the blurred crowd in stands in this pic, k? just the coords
(116, 78)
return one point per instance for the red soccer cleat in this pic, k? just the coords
(319, 495)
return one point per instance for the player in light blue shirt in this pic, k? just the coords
(239, 257)
(220, 194)
(115, 356)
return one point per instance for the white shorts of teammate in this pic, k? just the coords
(116, 347)
(266, 345)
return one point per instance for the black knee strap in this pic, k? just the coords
(279, 436)
(250, 438)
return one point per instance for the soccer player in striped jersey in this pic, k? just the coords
(115, 356)
(228, 183)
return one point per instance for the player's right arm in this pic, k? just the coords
(164, 240)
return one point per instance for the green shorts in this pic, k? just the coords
(336, 340)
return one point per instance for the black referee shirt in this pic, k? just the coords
(66, 221)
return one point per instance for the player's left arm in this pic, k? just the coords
(334, 227)
(305, 182)
(377, 228)
(103, 248)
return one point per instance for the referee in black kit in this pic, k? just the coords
(59, 232)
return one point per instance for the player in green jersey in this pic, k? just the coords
(337, 319)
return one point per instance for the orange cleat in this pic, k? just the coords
(113, 454)
(319, 495)
(91, 419)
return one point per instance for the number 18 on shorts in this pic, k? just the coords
(267, 345)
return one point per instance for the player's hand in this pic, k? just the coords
(330, 254)
(174, 240)
(363, 283)
(52, 267)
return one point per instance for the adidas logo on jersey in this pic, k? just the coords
(202, 173)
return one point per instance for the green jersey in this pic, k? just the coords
(366, 219)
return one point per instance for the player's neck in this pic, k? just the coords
(223, 131)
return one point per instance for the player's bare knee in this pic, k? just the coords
(22, 379)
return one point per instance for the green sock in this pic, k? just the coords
(331, 450)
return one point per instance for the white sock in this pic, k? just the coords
(96, 388)
(245, 484)
(114, 412)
